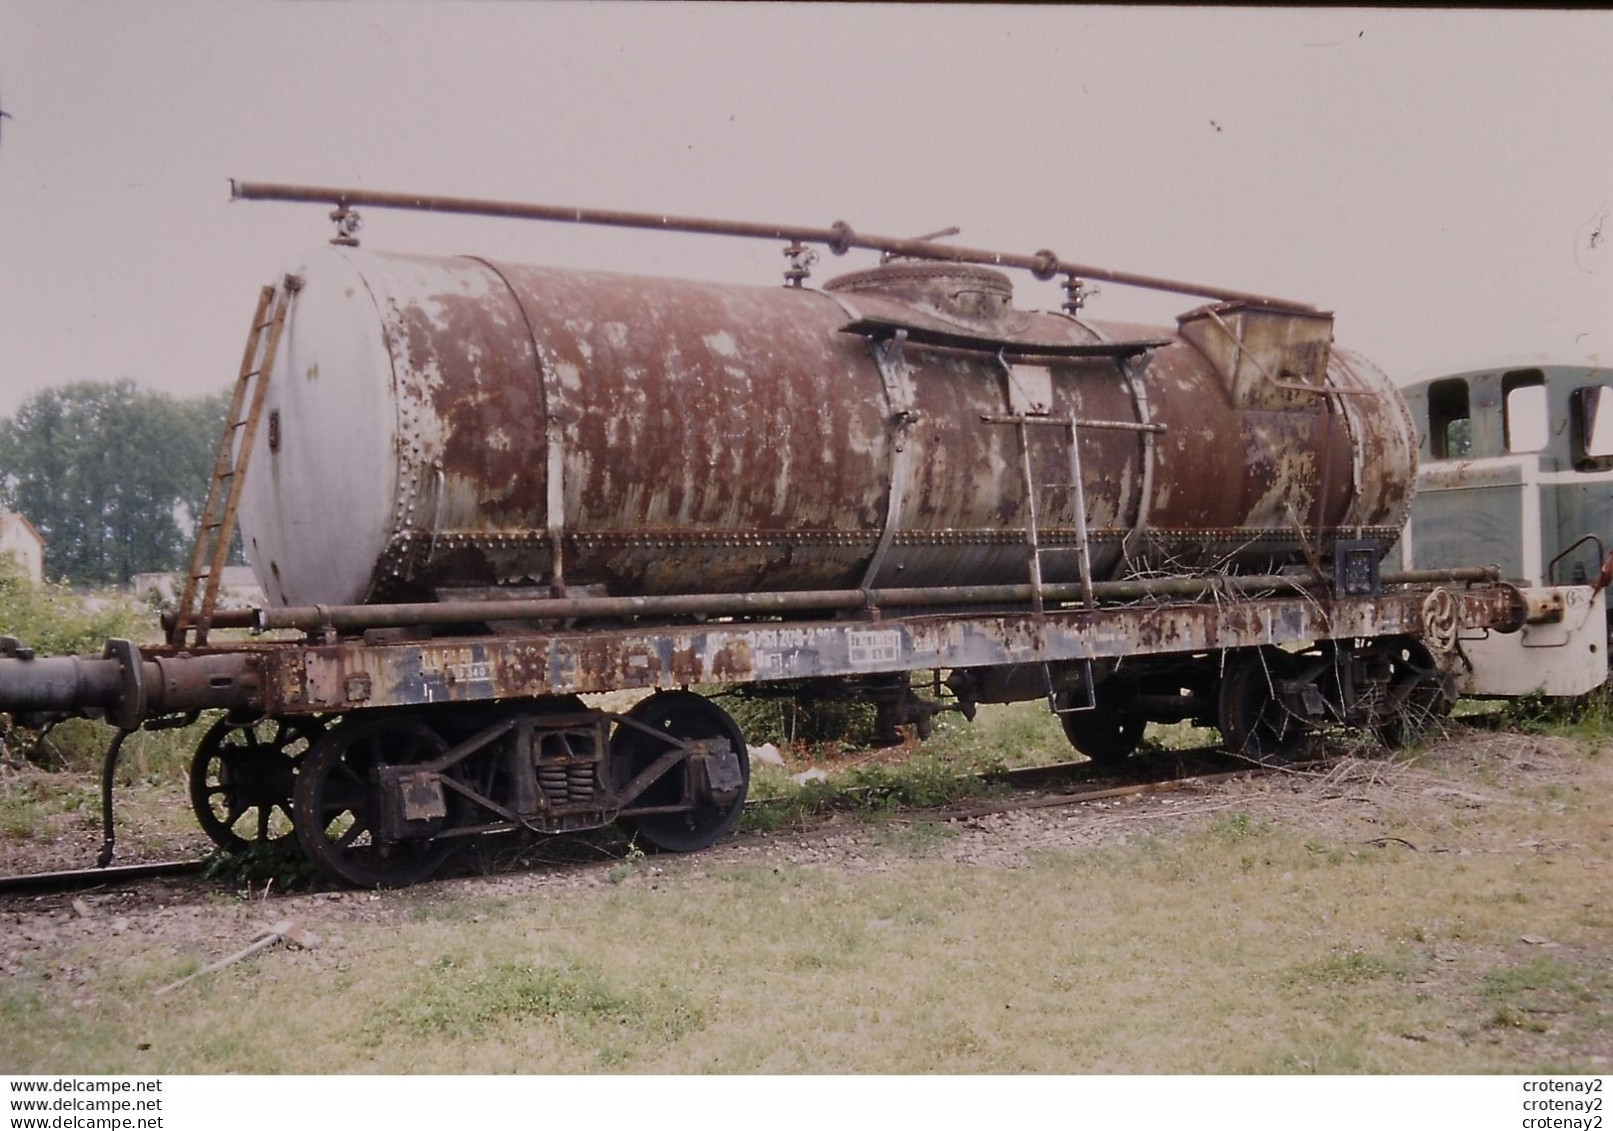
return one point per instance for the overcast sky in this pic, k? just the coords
(1442, 180)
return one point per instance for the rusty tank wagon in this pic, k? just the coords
(480, 490)
(442, 425)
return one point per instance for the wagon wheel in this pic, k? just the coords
(1107, 737)
(336, 799)
(242, 773)
(683, 715)
(1105, 734)
(1420, 688)
(1255, 723)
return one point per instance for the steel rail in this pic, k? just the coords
(80, 878)
(839, 237)
(1163, 785)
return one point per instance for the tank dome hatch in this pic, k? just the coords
(972, 298)
(962, 306)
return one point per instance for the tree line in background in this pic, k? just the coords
(111, 475)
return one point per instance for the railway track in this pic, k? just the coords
(1142, 775)
(1075, 783)
(79, 879)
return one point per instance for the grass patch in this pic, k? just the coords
(1001, 736)
(459, 910)
(281, 864)
(942, 770)
(915, 836)
(463, 995)
(1352, 969)
(1235, 828)
(79, 745)
(39, 805)
(19, 1006)
(1541, 979)
(52, 811)
(1550, 997)
(925, 775)
(921, 781)
(1587, 719)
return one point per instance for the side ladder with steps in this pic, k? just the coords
(1028, 413)
(215, 528)
(1076, 518)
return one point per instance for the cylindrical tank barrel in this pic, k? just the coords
(452, 427)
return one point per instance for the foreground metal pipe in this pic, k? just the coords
(839, 238)
(59, 683)
(223, 618)
(357, 618)
(149, 687)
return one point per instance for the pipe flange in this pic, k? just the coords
(130, 710)
(843, 237)
(1044, 265)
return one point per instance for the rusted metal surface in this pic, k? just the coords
(340, 677)
(453, 423)
(129, 684)
(363, 618)
(291, 679)
(839, 237)
(274, 678)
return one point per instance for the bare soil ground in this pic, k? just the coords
(1448, 913)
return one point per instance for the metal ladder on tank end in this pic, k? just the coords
(216, 526)
(1030, 411)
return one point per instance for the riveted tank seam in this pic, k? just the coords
(399, 532)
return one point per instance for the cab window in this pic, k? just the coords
(1523, 413)
(1590, 409)
(1450, 422)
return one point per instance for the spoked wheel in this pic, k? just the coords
(683, 715)
(1418, 687)
(242, 778)
(1255, 722)
(1105, 733)
(337, 795)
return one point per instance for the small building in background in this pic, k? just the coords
(19, 538)
(238, 588)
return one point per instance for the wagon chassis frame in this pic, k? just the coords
(352, 675)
